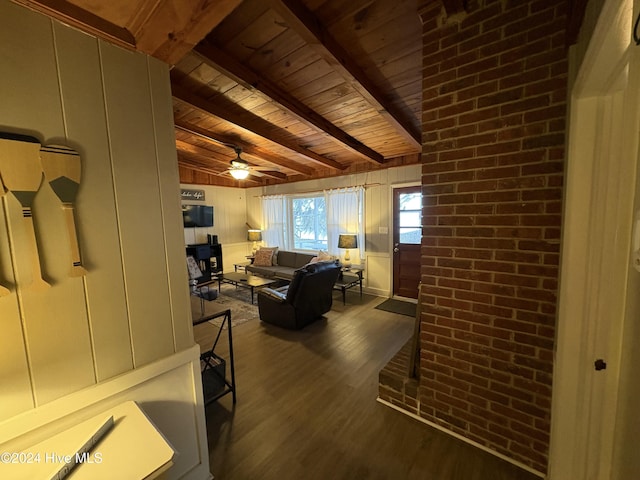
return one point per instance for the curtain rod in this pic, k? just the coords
(365, 185)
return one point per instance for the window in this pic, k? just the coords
(314, 221)
(410, 222)
(309, 220)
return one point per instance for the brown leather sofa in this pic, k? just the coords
(304, 300)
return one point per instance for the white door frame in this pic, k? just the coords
(602, 157)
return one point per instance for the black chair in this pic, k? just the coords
(304, 300)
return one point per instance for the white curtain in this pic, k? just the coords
(274, 221)
(345, 212)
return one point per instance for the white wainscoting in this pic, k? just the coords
(377, 274)
(169, 391)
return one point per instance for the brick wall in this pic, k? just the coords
(394, 383)
(494, 95)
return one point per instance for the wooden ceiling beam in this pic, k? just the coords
(221, 61)
(203, 162)
(188, 163)
(228, 111)
(187, 147)
(246, 148)
(267, 156)
(176, 26)
(305, 24)
(274, 174)
(170, 31)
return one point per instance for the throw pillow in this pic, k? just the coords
(263, 258)
(274, 259)
(274, 254)
(323, 256)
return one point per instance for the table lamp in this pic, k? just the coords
(254, 236)
(347, 241)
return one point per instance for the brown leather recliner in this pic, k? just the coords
(307, 298)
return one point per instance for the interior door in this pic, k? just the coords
(407, 235)
(595, 418)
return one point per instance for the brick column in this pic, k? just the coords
(493, 158)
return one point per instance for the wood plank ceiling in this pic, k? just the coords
(305, 88)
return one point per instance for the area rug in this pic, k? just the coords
(238, 300)
(398, 306)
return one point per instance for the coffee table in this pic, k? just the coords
(243, 280)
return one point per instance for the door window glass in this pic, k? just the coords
(410, 221)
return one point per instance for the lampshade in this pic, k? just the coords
(254, 235)
(348, 241)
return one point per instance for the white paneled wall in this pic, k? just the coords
(229, 211)
(86, 341)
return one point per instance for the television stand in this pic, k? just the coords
(209, 259)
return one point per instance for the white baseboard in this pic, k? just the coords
(377, 292)
(463, 438)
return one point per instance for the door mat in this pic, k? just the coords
(398, 306)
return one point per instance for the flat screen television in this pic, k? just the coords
(197, 215)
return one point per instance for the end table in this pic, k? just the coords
(349, 278)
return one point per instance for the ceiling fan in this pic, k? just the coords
(239, 167)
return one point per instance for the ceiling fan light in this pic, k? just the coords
(239, 167)
(239, 173)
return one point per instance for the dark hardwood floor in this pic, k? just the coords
(307, 407)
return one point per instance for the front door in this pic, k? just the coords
(407, 235)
